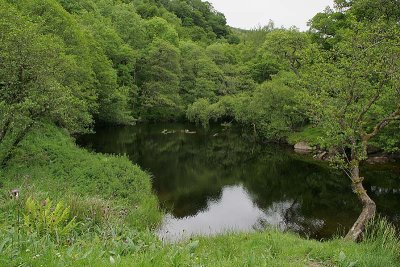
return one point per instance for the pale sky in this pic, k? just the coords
(247, 14)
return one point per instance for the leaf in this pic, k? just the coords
(4, 243)
(342, 256)
(112, 261)
(193, 246)
(87, 254)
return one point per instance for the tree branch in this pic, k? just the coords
(4, 130)
(371, 102)
(383, 123)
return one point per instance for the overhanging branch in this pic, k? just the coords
(383, 123)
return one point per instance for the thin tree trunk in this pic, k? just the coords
(16, 142)
(368, 206)
(4, 129)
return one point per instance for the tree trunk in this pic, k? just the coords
(368, 210)
(21, 135)
(4, 129)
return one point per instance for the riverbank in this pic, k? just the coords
(115, 212)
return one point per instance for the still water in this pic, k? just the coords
(217, 180)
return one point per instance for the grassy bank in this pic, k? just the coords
(78, 208)
(49, 164)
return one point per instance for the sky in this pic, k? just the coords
(247, 14)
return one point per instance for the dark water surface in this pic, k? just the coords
(217, 180)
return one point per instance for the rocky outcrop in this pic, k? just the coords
(303, 147)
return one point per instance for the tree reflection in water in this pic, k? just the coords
(211, 183)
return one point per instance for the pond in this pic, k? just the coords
(214, 180)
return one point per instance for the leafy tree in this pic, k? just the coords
(147, 9)
(353, 94)
(113, 61)
(271, 109)
(129, 25)
(158, 79)
(200, 14)
(53, 19)
(287, 46)
(199, 112)
(34, 82)
(370, 10)
(201, 77)
(236, 75)
(324, 26)
(222, 53)
(159, 28)
(78, 6)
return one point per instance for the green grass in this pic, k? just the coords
(138, 248)
(115, 211)
(49, 164)
(309, 134)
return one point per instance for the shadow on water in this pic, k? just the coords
(214, 180)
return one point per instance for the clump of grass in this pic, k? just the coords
(91, 210)
(382, 234)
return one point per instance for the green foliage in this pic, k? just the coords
(159, 81)
(49, 157)
(199, 112)
(311, 135)
(352, 91)
(99, 182)
(325, 27)
(287, 46)
(200, 14)
(269, 110)
(68, 63)
(44, 219)
(201, 77)
(382, 234)
(125, 247)
(151, 60)
(34, 82)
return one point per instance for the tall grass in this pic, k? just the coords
(382, 234)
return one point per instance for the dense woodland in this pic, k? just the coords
(76, 63)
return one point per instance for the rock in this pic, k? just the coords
(165, 131)
(324, 155)
(378, 160)
(189, 132)
(303, 147)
